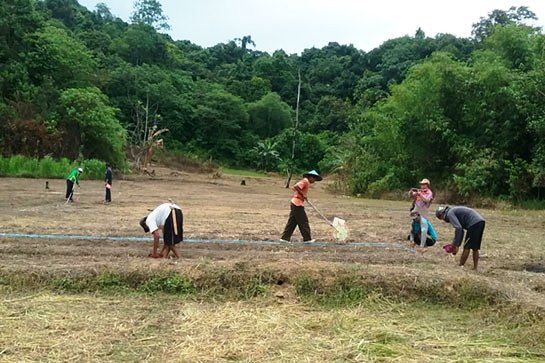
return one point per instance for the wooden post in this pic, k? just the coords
(296, 126)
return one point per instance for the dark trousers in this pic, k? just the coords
(69, 189)
(474, 236)
(298, 217)
(108, 195)
(416, 238)
(173, 232)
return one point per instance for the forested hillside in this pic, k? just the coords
(469, 113)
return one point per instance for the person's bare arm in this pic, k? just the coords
(459, 231)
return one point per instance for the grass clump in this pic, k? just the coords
(345, 290)
(350, 287)
(239, 282)
(27, 167)
(170, 283)
(70, 284)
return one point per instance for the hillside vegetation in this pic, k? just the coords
(467, 112)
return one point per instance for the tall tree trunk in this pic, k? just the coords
(147, 118)
(296, 126)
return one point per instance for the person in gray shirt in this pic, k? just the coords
(464, 218)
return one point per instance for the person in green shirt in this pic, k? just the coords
(72, 178)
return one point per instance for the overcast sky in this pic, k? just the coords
(294, 25)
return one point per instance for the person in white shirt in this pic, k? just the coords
(167, 217)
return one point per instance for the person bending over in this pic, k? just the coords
(464, 218)
(167, 217)
(71, 179)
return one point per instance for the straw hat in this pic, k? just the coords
(314, 174)
(425, 181)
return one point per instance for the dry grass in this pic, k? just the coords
(163, 328)
(340, 317)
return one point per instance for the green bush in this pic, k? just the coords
(171, 283)
(22, 166)
(93, 169)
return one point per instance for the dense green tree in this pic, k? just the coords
(18, 19)
(281, 71)
(220, 121)
(103, 13)
(269, 116)
(513, 44)
(165, 93)
(249, 90)
(330, 114)
(91, 126)
(140, 44)
(332, 70)
(466, 126)
(150, 12)
(467, 113)
(56, 55)
(70, 13)
(515, 15)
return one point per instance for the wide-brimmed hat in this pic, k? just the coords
(80, 170)
(425, 181)
(314, 174)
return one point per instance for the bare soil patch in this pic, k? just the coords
(510, 278)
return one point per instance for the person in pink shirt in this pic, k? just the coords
(422, 198)
(298, 216)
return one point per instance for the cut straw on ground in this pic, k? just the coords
(163, 328)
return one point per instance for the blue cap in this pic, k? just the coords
(314, 174)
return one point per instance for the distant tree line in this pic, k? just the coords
(468, 112)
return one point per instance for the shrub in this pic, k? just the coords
(93, 169)
(22, 166)
(171, 283)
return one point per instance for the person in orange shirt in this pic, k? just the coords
(298, 216)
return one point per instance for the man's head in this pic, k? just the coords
(440, 213)
(144, 225)
(415, 216)
(312, 176)
(80, 170)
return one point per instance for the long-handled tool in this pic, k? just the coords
(339, 225)
(71, 195)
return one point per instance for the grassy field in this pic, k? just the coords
(80, 300)
(165, 328)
